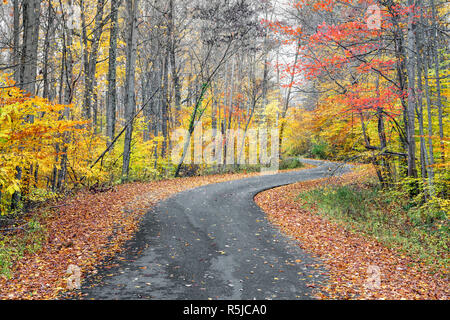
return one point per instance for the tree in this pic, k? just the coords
(130, 99)
(111, 95)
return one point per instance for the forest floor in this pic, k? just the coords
(359, 265)
(85, 229)
(91, 227)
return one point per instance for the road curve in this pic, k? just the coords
(213, 242)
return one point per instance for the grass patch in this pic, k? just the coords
(389, 216)
(19, 240)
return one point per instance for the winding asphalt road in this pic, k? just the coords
(213, 242)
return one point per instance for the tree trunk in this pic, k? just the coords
(175, 75)
(426, 170)
(130, 100)
(31, 13)
(90, 58)
(165, 104)
(47, 50)
(288, 98)
(111, 97)
(386, 168)
(438, 79)
(28, 63)
(68, 97)
(424, 65)
(16, 41)
(410, 67)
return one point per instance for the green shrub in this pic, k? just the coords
(319, 150)
(291, 163)
(389, 216)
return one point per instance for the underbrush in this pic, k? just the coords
(291, 163)
(419, 230)
(21, 231)
(197, 170)
(17, 240)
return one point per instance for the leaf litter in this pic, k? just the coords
(349, 256)
(89, 228)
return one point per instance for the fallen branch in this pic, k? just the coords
(386, 151)
(121, 132)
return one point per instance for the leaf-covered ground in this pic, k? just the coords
(347, 254)
(87, 228)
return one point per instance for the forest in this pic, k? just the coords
(92, 90)
(94, 93)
